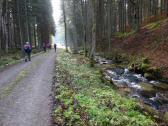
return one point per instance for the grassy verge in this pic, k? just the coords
(12, 57)
(82, 99)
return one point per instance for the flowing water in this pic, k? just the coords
(153, 93)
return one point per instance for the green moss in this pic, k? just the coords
(144, 67)
(149, 76)
(85, 100)
(166, 117)
(145, 60)
(124, 34)
(154, 25)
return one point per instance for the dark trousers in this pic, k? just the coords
(44, 48)
(28, 57)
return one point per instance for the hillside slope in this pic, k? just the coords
(151, 42)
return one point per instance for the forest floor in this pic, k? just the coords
(150, 42)
(82, 98)
(25, 92)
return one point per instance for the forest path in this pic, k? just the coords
(25, 91)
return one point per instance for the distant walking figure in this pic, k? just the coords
(55, 47)
(27, 49)
(44, 47)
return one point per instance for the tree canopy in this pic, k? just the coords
(25, 20)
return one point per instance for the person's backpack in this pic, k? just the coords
(27, 49)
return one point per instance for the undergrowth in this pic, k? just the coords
(125, 34)
(154, 25)
(82, 99)
(13, 57)
(10, 58)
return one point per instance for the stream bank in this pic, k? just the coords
(82, 99)
(152, 93)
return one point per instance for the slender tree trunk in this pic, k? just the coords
(35, 34)
(19, 25)
(65, 26)
(27, 21)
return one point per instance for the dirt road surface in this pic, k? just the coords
(25, 92)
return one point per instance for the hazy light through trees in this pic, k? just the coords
(59, 38)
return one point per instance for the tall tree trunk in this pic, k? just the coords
(65, 26)
(19, 25)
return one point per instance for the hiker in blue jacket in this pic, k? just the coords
(28, 50)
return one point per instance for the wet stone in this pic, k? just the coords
(161, 86)
(164, 108)
(147, 87)
(120, 83)
(118, 71)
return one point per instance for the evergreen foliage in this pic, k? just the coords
(25, 20)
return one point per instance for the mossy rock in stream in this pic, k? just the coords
(140, 66)
(108, 66)
(152, 73)
(148, 90)
(145, 61)
(156, 72)
(135, 67)
(147, 87)
(162, 86)
(149, 76)
(164, 80)
(144, 67)
(166, 117)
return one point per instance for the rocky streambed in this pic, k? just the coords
(151, 92)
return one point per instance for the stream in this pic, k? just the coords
(153, 93)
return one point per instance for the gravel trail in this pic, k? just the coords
(25, 91)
